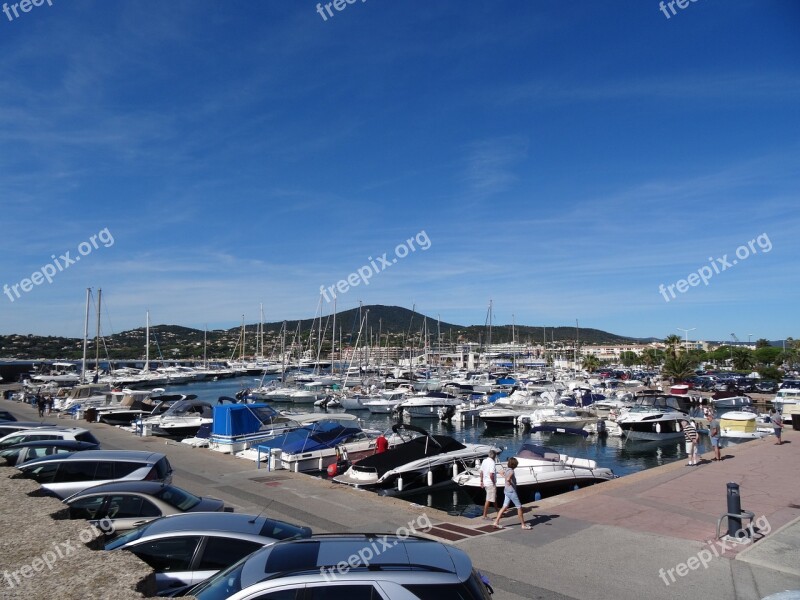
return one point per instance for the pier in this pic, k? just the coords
(647, 535)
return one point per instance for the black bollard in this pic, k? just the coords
(734, 508)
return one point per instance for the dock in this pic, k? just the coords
(647, 535)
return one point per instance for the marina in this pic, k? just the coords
(617, 535)
(296, 428)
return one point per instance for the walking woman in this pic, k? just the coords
(511, 494)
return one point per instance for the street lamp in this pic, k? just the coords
(749, 335)
(686, 333)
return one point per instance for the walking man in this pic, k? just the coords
(714, 432)
(777, 424)
(489, 482)
(690, 433)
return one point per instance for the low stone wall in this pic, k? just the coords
(44, 556)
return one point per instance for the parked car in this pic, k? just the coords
(352, 566)
(7, 416)
(126, 505)
(63, 476)
(187, 549)
(48, 433)
(766, 387)
(8, 427)
(19, 454)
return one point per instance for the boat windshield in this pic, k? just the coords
(660, 403)
(185, 407)
(532, 451)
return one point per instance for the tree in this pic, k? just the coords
(672, 342)
(767, 355)
(629, 358)
(762, 343)
(590, 363)
(679, 367)
(652, 357)
(743, 359)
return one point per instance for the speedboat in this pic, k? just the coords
(540, 470)
(386, 402)
(653, 417)
(742, 426)
(556, 416)
(419, 463)
(183, 419)
(427, 405)
(786, 396)
(237, 427)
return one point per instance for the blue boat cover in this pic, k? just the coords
(241, 419)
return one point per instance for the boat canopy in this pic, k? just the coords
(241, 419)
(536, 452)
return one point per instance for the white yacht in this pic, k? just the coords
(541, 470)
(653, 417)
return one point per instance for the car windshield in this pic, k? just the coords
(228, 581)
(180, 499)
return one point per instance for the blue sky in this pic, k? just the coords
(564, 159)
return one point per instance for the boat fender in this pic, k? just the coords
(658, 427)
(333, 470)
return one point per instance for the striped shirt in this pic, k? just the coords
(690, 431)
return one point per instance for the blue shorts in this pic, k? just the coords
(511, 496)
(777, 431)
(715, 441)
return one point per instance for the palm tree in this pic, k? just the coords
(672, 342)
(679, 367)
(590, 362)
(652, 357)
(742, 359)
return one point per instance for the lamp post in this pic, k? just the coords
(686, 334)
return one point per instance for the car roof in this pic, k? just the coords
(121, 455)
(140, 487)
(320, 551)
(216, 522)
(53, 443)
(50, 429)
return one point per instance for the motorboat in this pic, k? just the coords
(742, 426)
(386, 402)
(786, 396)
(540, 470)
(237, 427)
(183, 419)
(427, 405)
(653, 417)
(420, 462)
(557, 417)
(321, 443)
(309, 393)
(132, 404)
(83, 396)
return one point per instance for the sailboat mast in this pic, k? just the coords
(147, 342)
(85, 336)
(333, 337)
(97, 337)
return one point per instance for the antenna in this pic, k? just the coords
(263, 510)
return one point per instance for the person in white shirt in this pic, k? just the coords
(489, 482)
